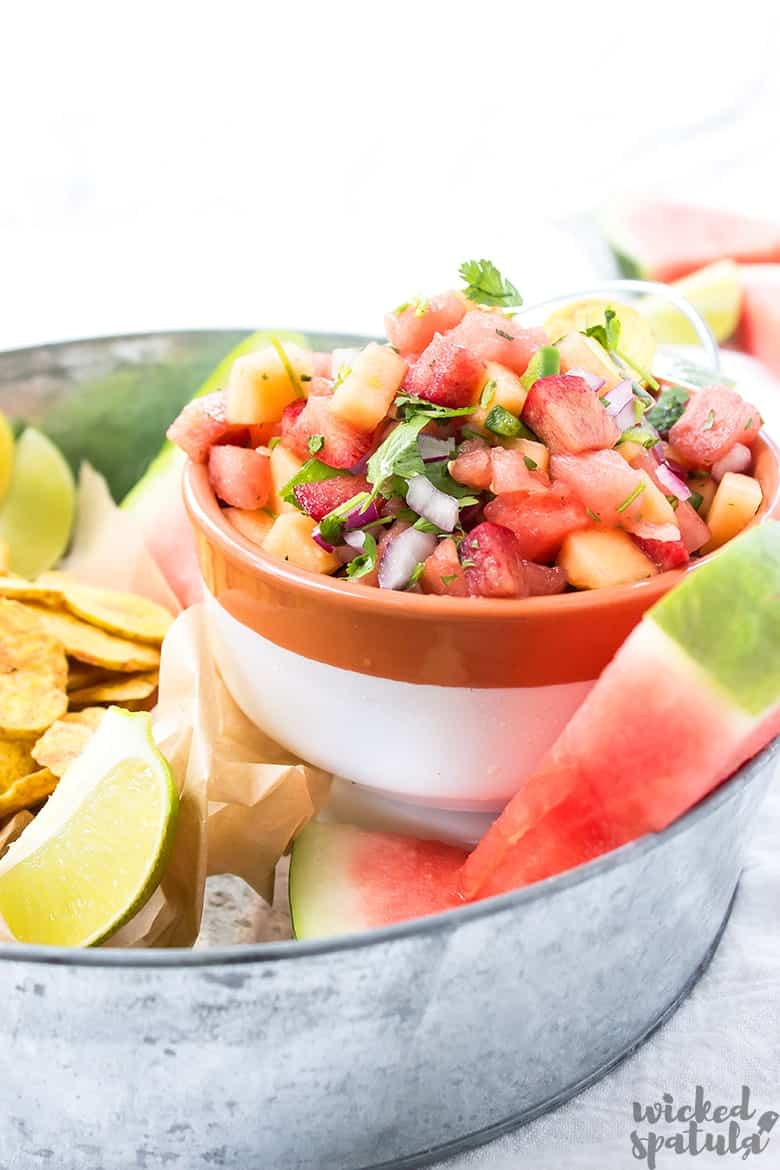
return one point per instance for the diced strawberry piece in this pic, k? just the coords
(319, 387)
(240, 476)
(511, 473)
(473, 466)
(343, 444)
(694, 533)
(443, 573)
(496, 338)
(317, 499)
(411, 330)
(543, 581)
(713, 421)
(322, 365)
(568, 416)
(201, 424)
(738, 460)
(492, 562)
(666, 554)
(540, 521)
(445, 373)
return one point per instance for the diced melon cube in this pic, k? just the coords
(253, 524)
(654, 507)
(633, 453)
(284, 465)
(536, 452)
(734, 505)
(579, 352)
(364, 397)
(290, 539)
(501, 387)
(596, 558)
(260, 386)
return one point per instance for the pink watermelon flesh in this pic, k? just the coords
(759, 326)
(201, 424)
(492, 337)
(445, 373)
(414, 327)
(239, 476)
(664, 241)
(713, 422)
(568, 416)
(168, 536)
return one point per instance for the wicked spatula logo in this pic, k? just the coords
(668, 1127)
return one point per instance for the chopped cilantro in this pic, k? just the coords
(696, 499)
(402, 308)
(438, 474)
(313, 471)
(748, 425)
(488, 394)
(467, 564)
(288, 369)
(710, 423)
(407, 405)
(530, 463)
(501, 422)
(608, 334)
(274, 441)
(365, 562)
(486, 285)
(399, 455)
(668, 408)
(417, 573)
(422, 307)
(342, 373)
(593, 515)
(315, 443)
(448, 578)
(332, 525)
(506, 336)
(635, 494)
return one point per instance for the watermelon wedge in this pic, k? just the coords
(657, 240)
(759, 326)
(691, 695)
(156, 504)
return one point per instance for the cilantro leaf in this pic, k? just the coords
(365, 562)
(332, 525)
(438, 474)
(399, 455)
(608, 334)
(315, 443)
(417, 573)
(408, 405)
(313, 471)
(486, 285)
(669, 407)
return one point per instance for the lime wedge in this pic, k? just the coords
(715, 291)
(37, 516)
(6, 455)
(96, 851)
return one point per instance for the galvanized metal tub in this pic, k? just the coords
(390, 1048)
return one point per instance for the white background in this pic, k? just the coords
(168, 164)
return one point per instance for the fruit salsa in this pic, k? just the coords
(472, 456)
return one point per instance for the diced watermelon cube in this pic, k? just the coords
(666, 554)
(496, 338)
(317, 499)
(492, 563)
(694, 533)
(240, 476)
(322, 365)
(201, 424)
(543, 581)
(615, 493)
(511, 473)
(739, 460)
(411, 330)
(473, 466)
(343, 445)
(568, 416)
(540, 521)
(319, 387)
(445, 373)
(443, 573)
(714, 420)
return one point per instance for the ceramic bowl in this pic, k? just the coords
(443, 701)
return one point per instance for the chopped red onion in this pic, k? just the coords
(593, 380)
(320, 540)
(355, 540)
(660, 451)
(358, 519)
(436, 506)
(402, 555)
(738, 459)
(671, 482)
(359, 468)
(619, 397)
(433, 449)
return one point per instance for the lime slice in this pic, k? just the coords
(715, 291)
(37, 516)
(637, 340)
(96, 851)
(6, 455)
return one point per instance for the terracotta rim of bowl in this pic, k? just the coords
(416, 638)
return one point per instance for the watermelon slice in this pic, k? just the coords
(445, 373)
(410, 328)
(675, 713)
(657, 240)
(759, 327)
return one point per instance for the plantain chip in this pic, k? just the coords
(126, 614)
(98, 647)
(33, 672)
(132, 689)
(66, 739)
(82, 674)
(15, 761)
(27, 791)
(13, 827)
(18, 589)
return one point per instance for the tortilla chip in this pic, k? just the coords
(81, 674)
(13, 827)
(132, 689)
(18, 589)
(33, 672)
(88, 644)
(28, 791)
(65, 740)
(15, 761)
(125, 614)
